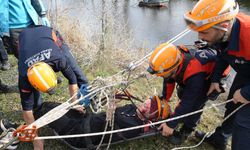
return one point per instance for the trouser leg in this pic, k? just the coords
(3, 52)
(241, 132)
(14, 40)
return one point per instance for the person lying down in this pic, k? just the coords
(73, 122)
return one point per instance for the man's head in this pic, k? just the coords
(212, 19)
(165, 60)
(42, 77)
(153, 109)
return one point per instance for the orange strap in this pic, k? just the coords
(24, 134)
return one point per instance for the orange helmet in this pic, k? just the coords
(42, 77)
(154, 109)
(165, 59)
(207, 13)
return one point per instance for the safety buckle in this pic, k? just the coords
(25, 134)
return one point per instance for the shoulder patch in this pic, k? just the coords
(206, 55)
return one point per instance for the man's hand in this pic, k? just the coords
(80, 109)
(214, 86)
(45, 21)
(238, 98)
(166, 131)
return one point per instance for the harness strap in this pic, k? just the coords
(189, 53)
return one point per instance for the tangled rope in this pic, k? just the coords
(123, 78)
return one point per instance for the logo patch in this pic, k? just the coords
(41, 56)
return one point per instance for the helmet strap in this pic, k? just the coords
(228, 32)
(226, 29)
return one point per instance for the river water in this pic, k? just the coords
(146, 27)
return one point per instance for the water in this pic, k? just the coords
(146, 27)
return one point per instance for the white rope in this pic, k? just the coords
(112, 128)
(208, 134)
(174, 39)
(105, 129)
(106, 126)
(131, 128)
(62, 109)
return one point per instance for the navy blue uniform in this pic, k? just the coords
(3, 52)
(38, 44)
(236, 53)
(193, 83)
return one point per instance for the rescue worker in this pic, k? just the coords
(220, 24)
(40, 50)
(179, 65)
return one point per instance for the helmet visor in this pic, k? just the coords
(152, 71)
(194, 24)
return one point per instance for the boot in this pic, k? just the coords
(212, 140)
(5, 65)
(176, 138)
(179, 137)
(3, 87)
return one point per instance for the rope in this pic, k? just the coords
(174, 39)
(131, 128)
(112, 128)
(60, 110)
(208, 134)
(128, 70)
(106, 127)
(100, 144)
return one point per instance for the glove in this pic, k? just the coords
(45, 21)
(82, 92)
